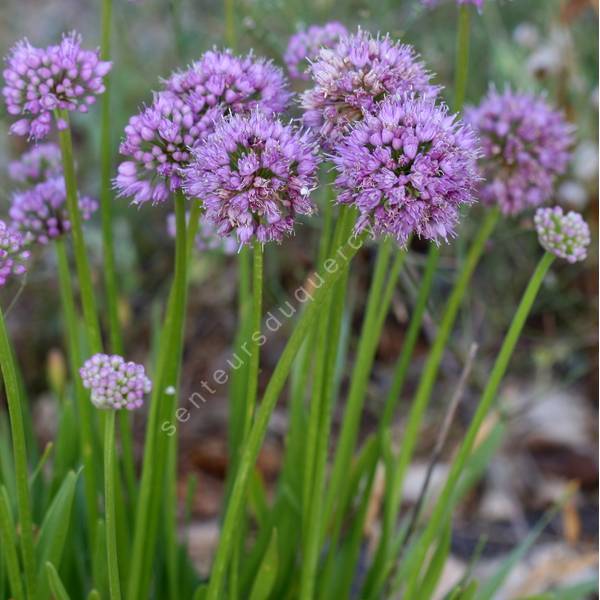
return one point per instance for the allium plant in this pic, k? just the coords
(255, 176)
(13, 253)
(526, 146)
(240, 175)
(355, 76)
(303, 47)
(564, 235)
(40, 163)
(39, 81)
(408, 167)
(40, 212)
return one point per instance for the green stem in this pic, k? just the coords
(106, 195)
(162, 406)
(14, 401)
(84, 407)
(90, 313)
(360, 375)
(429, 374)
(410, 340)
(462, 57)
(110, 507)
(230, 29)
(256, 435)
(445, 502)
(257, 287)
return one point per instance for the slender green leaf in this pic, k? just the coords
(56, 585)
(9, 546)
(436, 566)
(265, 577)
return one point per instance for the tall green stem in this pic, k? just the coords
(110, 507)
(162, 403)
(230, 29)
(106, 195)
(429, 374)
(84, 408)
(256, 435)
(257, 287)
(462, 57)
(90, 313)
(445, 501)
(14, 401)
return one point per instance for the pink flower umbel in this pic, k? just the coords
(115, 383)
(40, 80)
(303, 47)
(526, 146)
(40, 212)
(255, 176)
(355, 76)
(236, 84)
(13, 253)
(42, 162)
(564, 235)
(407, 168)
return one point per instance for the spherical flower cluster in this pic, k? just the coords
(254, 176)
(355, 76)
(525, 146)
(566, 236)
(40, 213)
(158, 142)
(38, 164)
(237, 84)
(207, 237)
(40, 80)
(114, 383)
(304, 46)
(407, 168)
(13, 253)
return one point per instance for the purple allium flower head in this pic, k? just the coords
(36, 165)
(564, 235)
(13, 253)
(40, 212)
(40, 80)
(525, 146)
(254, 175)
(114, 383)
(207, 237)
(237, 84)
(303, 47)
(355, 76)
(158, 142)
(407, 168)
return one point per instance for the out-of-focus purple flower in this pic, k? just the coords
(564, 235)
(355, 76)
(237, 84)
(207, 237)
(40, 80)
(304, 46)
(40, 213)
(36, 165)
(254, 176)
(408, 168)
(114, 383)
(13, 253)
(158, 144)
(526, 145)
